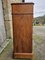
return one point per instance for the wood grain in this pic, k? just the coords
(22, 33)
(28, 8)
(22, 55)
(22, 16)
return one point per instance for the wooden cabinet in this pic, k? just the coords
(22, 16)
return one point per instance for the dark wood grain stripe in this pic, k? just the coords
(22, 3)
(22, 13)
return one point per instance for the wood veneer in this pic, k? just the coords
(22, 16)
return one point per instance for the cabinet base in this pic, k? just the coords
(23, 55)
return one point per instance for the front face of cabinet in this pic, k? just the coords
(22, 16)
(22, 33)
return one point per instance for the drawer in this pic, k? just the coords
(22, 8)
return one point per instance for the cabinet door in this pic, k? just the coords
(22, 33)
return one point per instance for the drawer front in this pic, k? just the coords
(22, 8)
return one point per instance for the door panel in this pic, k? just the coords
(22, 27)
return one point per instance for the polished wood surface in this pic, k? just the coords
(23, 55)
(22, 16)
(22, 8)
(22, 33)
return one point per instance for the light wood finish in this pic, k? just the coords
(23, 55)
(22, 16)
(22, 9)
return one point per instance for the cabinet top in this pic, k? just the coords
(21, 3)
